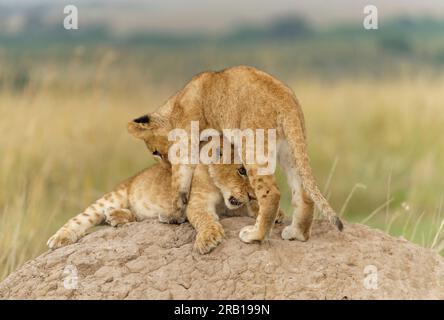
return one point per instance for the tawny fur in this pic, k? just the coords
(244, 98)
(148, 195)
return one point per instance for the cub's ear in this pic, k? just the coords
(143, 119)
(154, 124)
(138, 126)
(136, 129)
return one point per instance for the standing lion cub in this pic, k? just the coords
(246, 99)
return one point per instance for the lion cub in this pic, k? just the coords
(243, 98)
(216, 188)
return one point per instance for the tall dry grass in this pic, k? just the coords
(376, 149)
(387, 140)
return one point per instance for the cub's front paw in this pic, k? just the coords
(61, 238)
(249, 234)
(208, 238)
(119, 217)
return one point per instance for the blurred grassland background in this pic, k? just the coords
(373, 102)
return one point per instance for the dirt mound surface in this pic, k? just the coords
(149, 260)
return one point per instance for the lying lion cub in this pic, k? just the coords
(215, 188)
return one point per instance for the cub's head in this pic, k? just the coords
(153, 130)
(232, 180)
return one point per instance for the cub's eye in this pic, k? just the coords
(242, 171)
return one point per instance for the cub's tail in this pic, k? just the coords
(295, 134)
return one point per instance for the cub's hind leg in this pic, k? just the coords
(118, 217)
(94, 215)
(300, 226)
(76, 227)
(303, 206)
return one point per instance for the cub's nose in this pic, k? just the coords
(234, 201)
